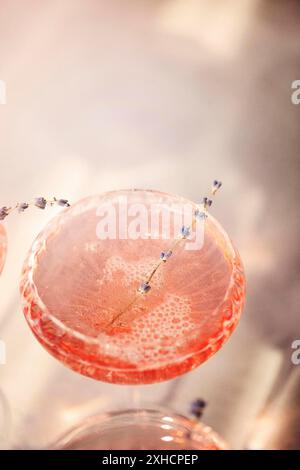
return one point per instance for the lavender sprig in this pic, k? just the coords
(185, 232)
(200, 214)
(39, 202)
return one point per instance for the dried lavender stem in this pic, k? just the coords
(149, 279)
(39, 202)
(128, 306)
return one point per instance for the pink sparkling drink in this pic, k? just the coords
(77, 291)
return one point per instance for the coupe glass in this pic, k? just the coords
(141, 430)
(79, 289)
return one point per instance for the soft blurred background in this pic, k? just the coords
(165, 94)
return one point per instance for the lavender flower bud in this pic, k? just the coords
(215, 186)
(63, 202)
(185, 231)
(23, 206)
(200, 215)
(197, 407)
(40, 202)
(4, 211)
(144, 288)
(207, 202)
(165, 255)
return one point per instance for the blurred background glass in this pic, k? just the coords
(140, 430)
(164, 94)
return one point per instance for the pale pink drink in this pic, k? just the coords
(77, 287)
